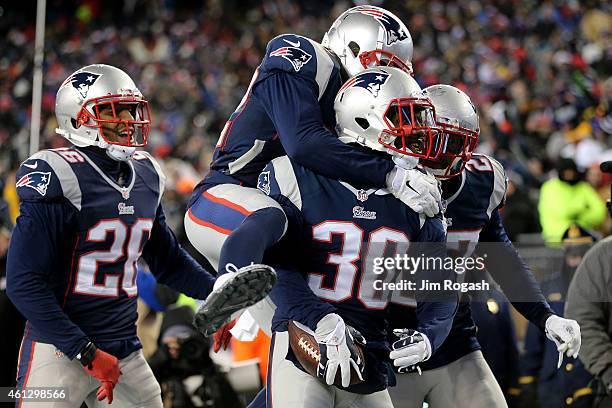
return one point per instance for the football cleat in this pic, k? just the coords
(241, 289)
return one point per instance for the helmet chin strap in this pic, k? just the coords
(119, 153)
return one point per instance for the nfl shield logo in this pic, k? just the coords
(362, 195)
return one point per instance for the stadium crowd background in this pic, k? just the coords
(538, 71)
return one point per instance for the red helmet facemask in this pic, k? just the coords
(411, 128)
(456, 143)
(133, 127)
(382, 58)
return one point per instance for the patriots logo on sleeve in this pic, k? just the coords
(263, 182)
(371, 81)
(81, 81)
(37, 180)
(394, 31)
(295, 55)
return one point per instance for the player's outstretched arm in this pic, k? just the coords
(512, 273)
(37, 240)
(292, 103)
(172, 265)
(520, 286)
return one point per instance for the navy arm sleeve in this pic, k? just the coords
(295, 300)
(35, 245)
(172, 265)
(292, 103)
(435, 308)
(513, 275)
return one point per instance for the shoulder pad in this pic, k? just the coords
(481, 163)
(301, 56)
(141, 156)
(48, 175)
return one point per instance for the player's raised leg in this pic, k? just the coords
(208, 222)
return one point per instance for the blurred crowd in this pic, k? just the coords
(537, 70)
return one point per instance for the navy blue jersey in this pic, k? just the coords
(72, 261)
(289, 109)
(334, 231)
(472, 215)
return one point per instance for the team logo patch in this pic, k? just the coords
(372, 81)
(37, 180)
(125, 209)
(360, 212)
(390, 24)
(263, 182)
(81, 81)
(296, 56)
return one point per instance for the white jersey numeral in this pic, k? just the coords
(87, 267)
(382, 242)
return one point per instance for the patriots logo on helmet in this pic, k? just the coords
(82, 81)
(391, 25)
(37, 180)
(296, 56)
(372, 81)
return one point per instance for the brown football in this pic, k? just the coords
(306, 350)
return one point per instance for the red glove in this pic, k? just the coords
(105, 368)
(222, 337)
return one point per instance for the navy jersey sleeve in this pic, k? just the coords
(435, 309)
(172, 265)
(46, 219)
(508, 269)
(291, 95)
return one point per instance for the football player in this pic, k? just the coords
(334, 232)
(474, 186)
(88, 213)
(288, 109)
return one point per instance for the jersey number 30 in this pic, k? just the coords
(380, 243)
(88, 263)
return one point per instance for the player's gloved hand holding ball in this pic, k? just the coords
(411, 349)
(337, 346)
(417, 189)
(103, 367)
(565, 333)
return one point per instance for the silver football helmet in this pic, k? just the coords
(384, 109)
(99, 105)
(369, 36)
(457, 117)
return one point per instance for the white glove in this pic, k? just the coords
(419, 191)
(331, 334)
(565, 333)
(412, 348)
